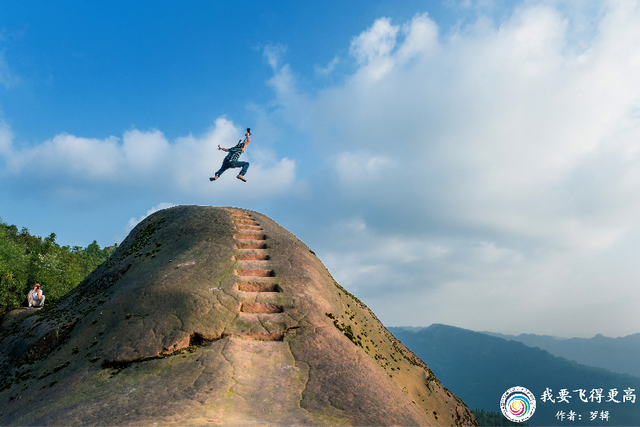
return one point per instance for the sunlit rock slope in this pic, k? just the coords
(213, 316)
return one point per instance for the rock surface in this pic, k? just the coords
(213, 316)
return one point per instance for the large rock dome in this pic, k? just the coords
(213, 316)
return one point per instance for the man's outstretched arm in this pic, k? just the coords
(248, 141)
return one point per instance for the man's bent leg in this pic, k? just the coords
(36, 302)
(224, 167)
(245, 166)
(237, 164)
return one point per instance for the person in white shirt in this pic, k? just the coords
(35, 297)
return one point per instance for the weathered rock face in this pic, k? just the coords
(213, 316)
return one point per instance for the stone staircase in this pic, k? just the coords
(260, 314)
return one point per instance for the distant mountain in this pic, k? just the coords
(620, 355)
(479, 368)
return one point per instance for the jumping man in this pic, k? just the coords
(231, 161)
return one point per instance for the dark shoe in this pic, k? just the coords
(213, 178)
(242, 178)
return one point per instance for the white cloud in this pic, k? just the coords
(135, 221)
(494, 127)
(502, 160)
(144, 150)
(6, 139)
(73, 156)
(378, 51)
(374, 43)
(329, 68)
(7, 78)
(293, 107)
(354, 170)
(479, 285)
(273, 54)
(144, 164)
(421, 37)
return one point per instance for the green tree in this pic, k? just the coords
(14, 270)
(26, 260)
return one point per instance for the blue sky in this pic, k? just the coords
(473, 163)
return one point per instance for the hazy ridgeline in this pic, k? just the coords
(26, 260)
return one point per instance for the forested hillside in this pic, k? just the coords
(26, 260)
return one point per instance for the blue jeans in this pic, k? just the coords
(236, 164)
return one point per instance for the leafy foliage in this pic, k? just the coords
(26, 260)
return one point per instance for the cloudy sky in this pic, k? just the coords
(473, 163)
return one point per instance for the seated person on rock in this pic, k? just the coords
(36, 297)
